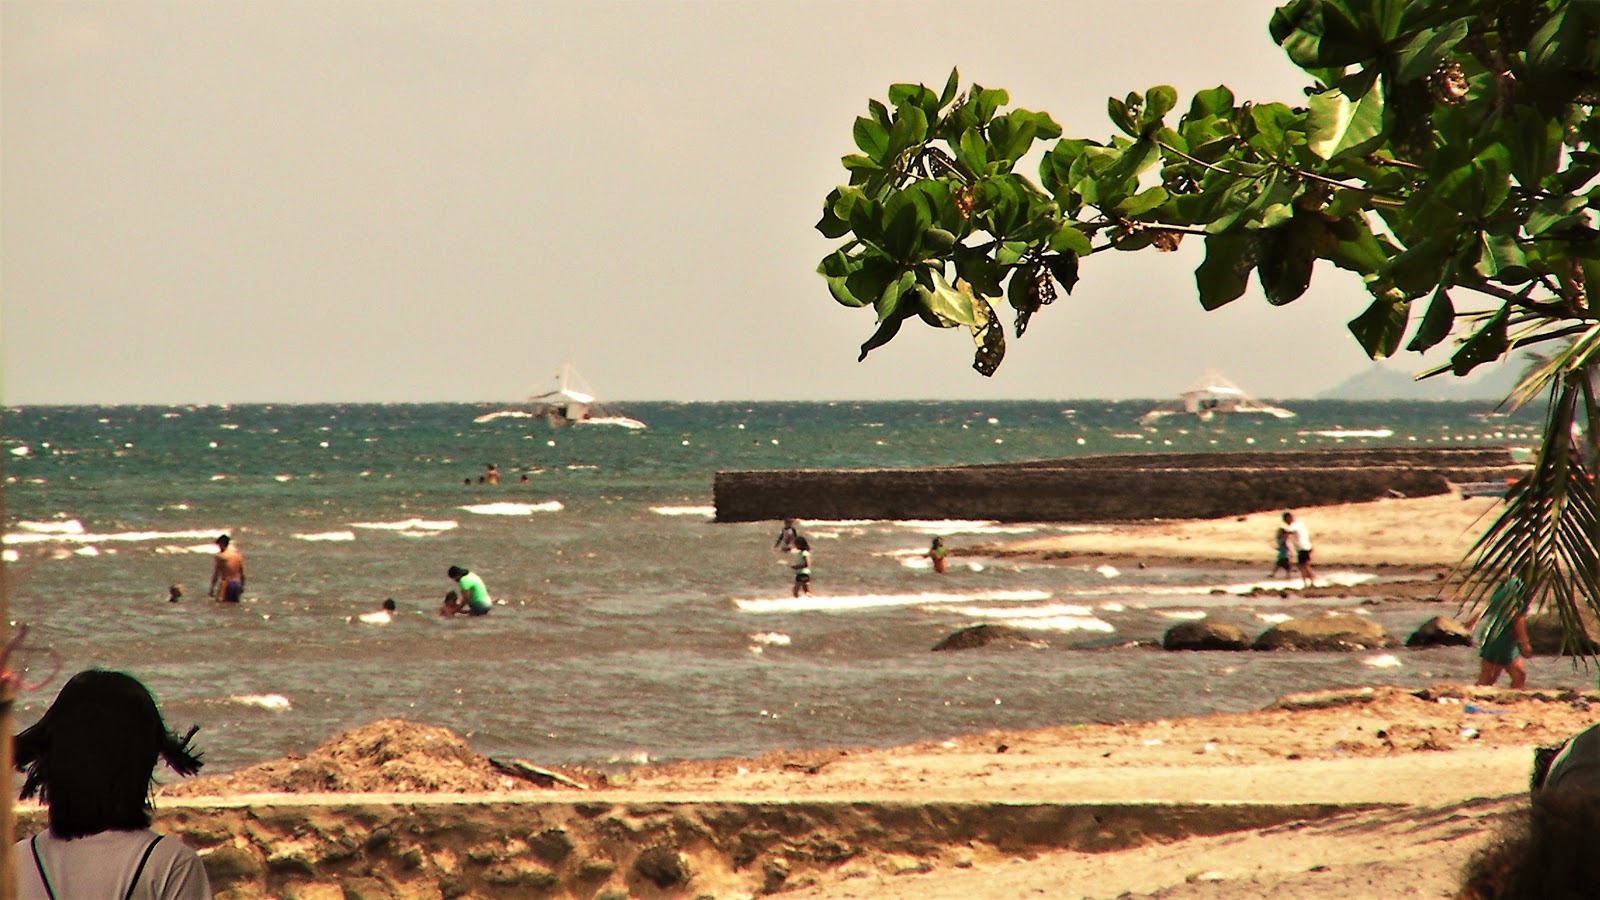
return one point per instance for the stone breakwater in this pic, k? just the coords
(387, 847)
(1128, 487)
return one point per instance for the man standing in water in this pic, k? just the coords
(1300, 542)
(227, 573)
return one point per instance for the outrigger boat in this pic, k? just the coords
(1211, 396)
(571, 403)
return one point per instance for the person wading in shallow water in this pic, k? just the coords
(227, 572)
(802, 567)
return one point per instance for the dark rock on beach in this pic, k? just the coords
(1331, 633)
(1205, 635)
(1440, 631)
(988, 636)
(1546, 636)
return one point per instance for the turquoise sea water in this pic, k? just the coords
(631, 626)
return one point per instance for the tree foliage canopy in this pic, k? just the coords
(1444, 153)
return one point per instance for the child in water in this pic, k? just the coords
(937, 554)
(802, 569)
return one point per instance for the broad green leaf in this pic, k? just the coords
(1323, 33)
(1381, 327)
(1069, 240)
(1216, 101)
(973, 151)
(1503, 260)
(951, 85)
(950, 306)
(1428, 48)
(1487, 344)
(894, 295)
(1064, 268)
(857, 281)
(1436, 322)
(1158, 101)
(906, 217)
(885, 333)
(1285, 258)
(1142, 202)
(1339, 123)
(872, 138)
(1222, 277)
(1121, 116)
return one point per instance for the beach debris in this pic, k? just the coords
(807, 768)
(1325, 699)
(521, 768)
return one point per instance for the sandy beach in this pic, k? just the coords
(1347, 793)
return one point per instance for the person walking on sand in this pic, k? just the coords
(227, 572)
(937, 553)
(1300, 542)
(90, 760)
(1504, 643)
(802, 568)
(473, 599)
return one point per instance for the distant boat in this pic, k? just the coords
(1211, 396)
(571, 403)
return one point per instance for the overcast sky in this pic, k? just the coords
(407, 201)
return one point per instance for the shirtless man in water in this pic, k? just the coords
(227, 574)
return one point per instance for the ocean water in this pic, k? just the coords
(630, 626)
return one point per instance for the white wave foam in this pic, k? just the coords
(1352, 432)
(283, 478)
(1113, 607)
(771, 639)
(1049, 610)
(410, 525)
(117, 536)
(377, 617)
(66, 526)
(1062, 623)
(413, 533)
(10, 556)
(21, 451)
(327, 536)
(961, 526)
(1383, 661)
(269, 702)
(513, 509)
(873, 601)
(1183, 615)
(709, 512)
(87, 550)
(1108, 571)
(1274, 618)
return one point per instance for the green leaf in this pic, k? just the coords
(872, 138)
(948, 305)
(1064, 268)
(1381, 327)
(1502, 259)
(1121, 116)
(1428, 48)
(1222, 277)
(951, 85)
(889, 302)
(1285, 262)
(1487, 344)
(885, 333)
(1436, 322)
(856, 281)
(1068, 239)
(1346, 120)
(1141, 203)
(1158, 101)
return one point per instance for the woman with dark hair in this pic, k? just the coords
(90, 760)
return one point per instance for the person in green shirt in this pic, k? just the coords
(473, 600)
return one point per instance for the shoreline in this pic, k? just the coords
(1345, 793)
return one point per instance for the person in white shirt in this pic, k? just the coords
(1300, 543)
(89, 759)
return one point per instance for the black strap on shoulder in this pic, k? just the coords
(149, 848)
(39, 864)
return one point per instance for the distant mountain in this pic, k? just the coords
(1382, 383)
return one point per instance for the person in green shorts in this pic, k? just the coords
(1504, 643)
(473, 599)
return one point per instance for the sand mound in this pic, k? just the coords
(389, 755)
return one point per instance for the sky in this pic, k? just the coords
(400, 201)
